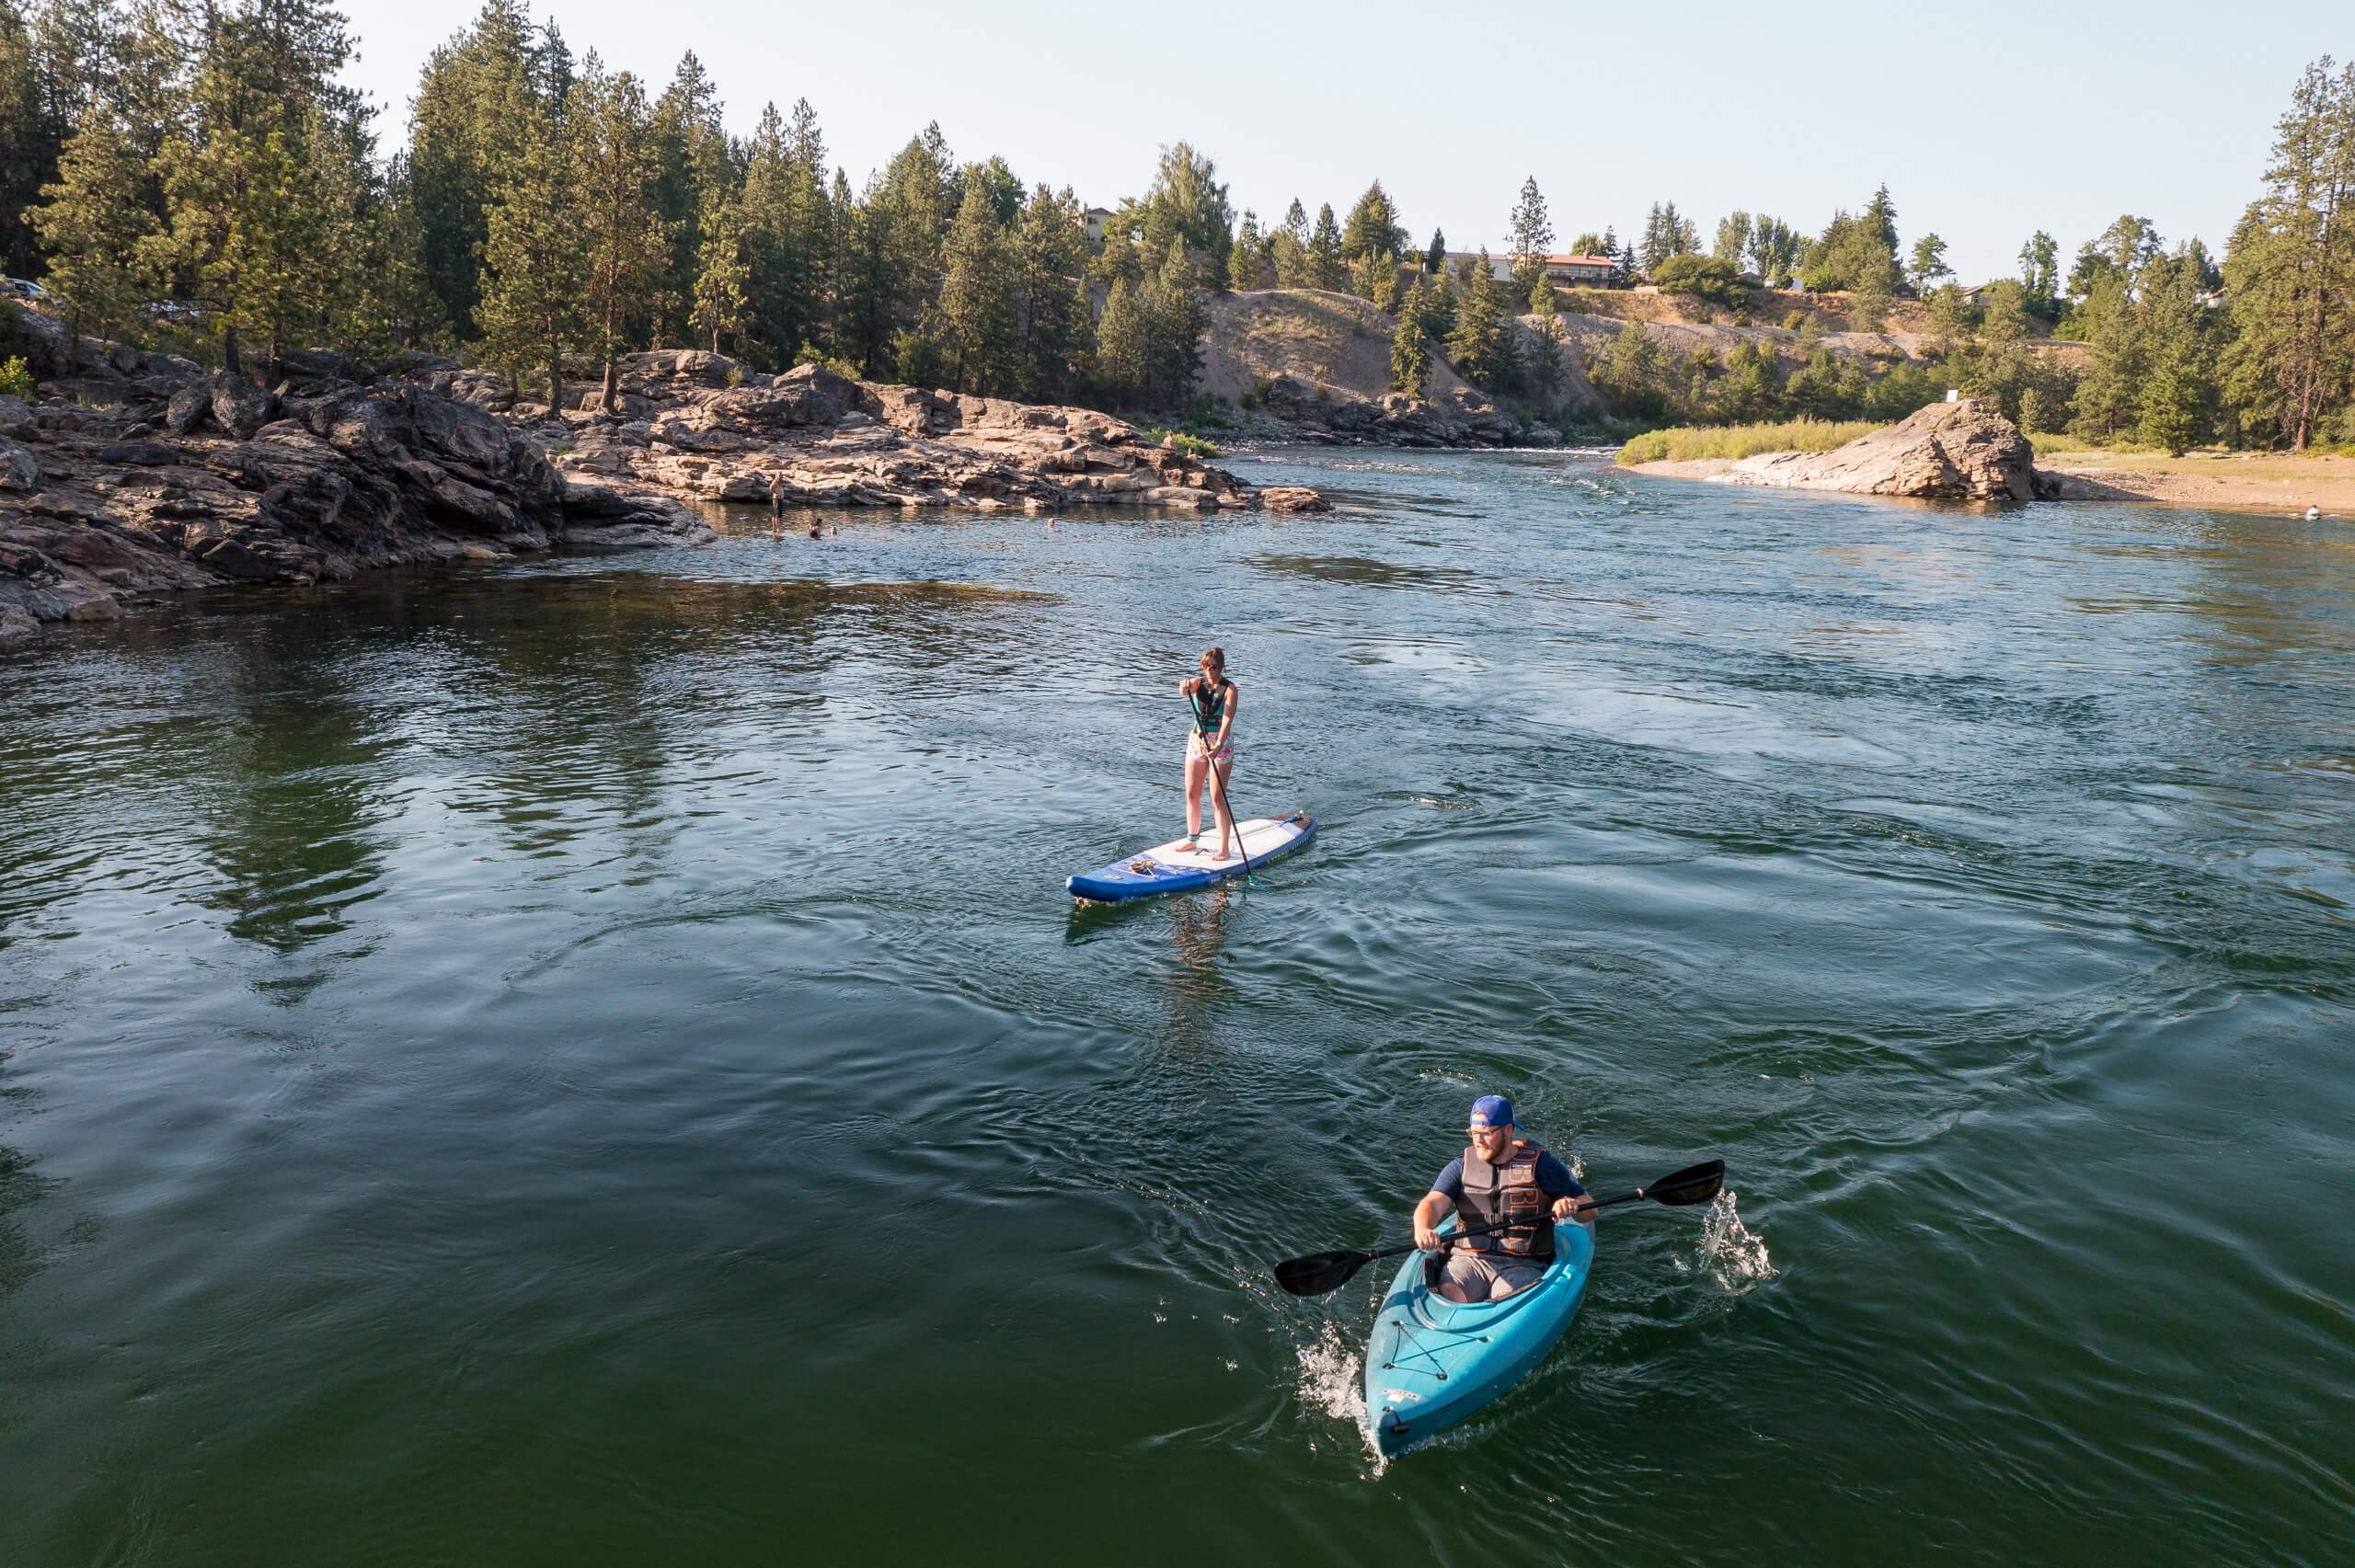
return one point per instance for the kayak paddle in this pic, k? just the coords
(1321, 1272)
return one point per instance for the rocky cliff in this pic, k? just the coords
(699, 425)
(1960, 450)
(136, 475)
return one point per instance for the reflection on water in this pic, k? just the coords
(512, 1044)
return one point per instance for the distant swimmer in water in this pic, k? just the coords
(813, 531)
(2312, 513)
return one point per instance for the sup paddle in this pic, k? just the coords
(1321, 1272)
(1218, 789)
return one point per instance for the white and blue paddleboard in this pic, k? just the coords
(1173, 868)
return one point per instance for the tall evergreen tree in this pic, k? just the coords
(1245, 261)
(2040, 271)
(1476, 346)
(693, 179)
(27, 151)
(975, 322)
(534, 273)
(1050, 306)
(1410, 354)
(92, 224)
(2290, 271)
(472, 103)
(1435, 254)
(1175, 321)
(1929, 263)
(1373, 231)
(1327, 269)
(628, 244)
(1123, 354)
(1185, 203)
(1532, 229)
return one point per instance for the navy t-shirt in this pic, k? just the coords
(1554, 1179)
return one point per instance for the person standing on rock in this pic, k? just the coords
(1210, 744)
(777, 500)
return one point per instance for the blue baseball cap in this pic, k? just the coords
(1490, 1111)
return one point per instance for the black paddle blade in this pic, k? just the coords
(1319, 1272)
(1695, 1183)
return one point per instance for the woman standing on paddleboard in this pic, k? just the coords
(1212, 743)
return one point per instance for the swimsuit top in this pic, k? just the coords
(1208, 711)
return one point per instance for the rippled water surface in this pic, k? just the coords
(591, 1061)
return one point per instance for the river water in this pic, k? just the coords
(591, 1060)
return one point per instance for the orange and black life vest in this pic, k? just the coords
(1494, 1194)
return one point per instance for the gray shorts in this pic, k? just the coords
(1484, 1277)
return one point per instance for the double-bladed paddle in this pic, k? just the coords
(1321, 1272)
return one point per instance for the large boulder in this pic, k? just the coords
(241, 407)
(1964, 450)
(18, 471)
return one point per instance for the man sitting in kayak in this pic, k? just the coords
(1498, 1177)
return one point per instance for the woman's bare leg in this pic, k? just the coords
(1218, 804)
(1196, 766)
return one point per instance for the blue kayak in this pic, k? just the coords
(1433, 1362)
(1174, 868)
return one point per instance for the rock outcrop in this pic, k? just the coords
(698, 424)
(1458, 417)
(1962, 451)
(138, 474)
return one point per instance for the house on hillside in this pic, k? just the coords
(1095, 218)
(1595, 271)
(1499, 267)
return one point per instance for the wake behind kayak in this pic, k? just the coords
(1174, 868)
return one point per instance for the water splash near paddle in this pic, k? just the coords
(1331, 1381)
(1730, 1252)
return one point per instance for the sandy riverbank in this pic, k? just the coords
(2268, 482)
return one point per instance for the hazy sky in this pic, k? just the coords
(1987, 120)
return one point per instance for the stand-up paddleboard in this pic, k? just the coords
(1173, 868)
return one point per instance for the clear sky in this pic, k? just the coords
(1988, 120)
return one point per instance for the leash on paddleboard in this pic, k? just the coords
(1320, 1272)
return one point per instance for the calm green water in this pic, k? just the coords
(591, 1063)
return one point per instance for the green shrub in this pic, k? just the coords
(1706, 276)
(16, 379)
(1193, 445)
(1256, 395)
(1798, 319)
(811, 354)
(1688, 441)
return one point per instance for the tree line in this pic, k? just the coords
(190, 174)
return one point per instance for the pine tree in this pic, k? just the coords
(1476, 346)
(723, 275)
(2105, 403)
(1435, 255)
(1186, 204)
(974, 315)
(1532, 229)
(1050, 305)
(533, 269)
(472, 98)
(1929, 262)
(627, 244)
(1326, 268)
(1243, 261)
(2289, 272)
(691, 181)
(1174, 325)
(1545, 370)
(1734, 230)
(1373, 231)
(92, 223)
(27, 148)
(2040, 271)
(1122, 347)
(1410, 355)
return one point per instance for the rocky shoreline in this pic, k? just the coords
(1963, 450)
(138, 475)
